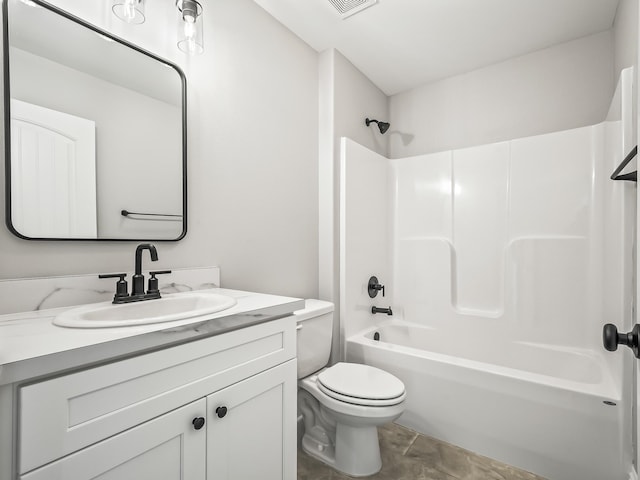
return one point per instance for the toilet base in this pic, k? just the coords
(340, 434)
(356, 451)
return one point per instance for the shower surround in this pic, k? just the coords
(501, 262)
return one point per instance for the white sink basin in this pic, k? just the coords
(175, 306)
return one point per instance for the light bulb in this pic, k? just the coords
(189, 35)
(189, 30)
(130, 11)
(190, 24)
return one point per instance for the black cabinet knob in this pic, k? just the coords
(611, 338)
(221, 412)
(198, 423)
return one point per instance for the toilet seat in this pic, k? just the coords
(360, 384)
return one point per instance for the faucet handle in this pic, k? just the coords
(374, 286)
(122, 289)
(153, 281)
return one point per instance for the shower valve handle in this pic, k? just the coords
(611, 338)
(373, 287)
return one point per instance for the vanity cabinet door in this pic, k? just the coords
(251, 428)
(168, 447)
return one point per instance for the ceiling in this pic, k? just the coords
(401, 44)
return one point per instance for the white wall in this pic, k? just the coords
(252, 166)
(625, 35)
(355, 99)
(346, 98)
(558, 88)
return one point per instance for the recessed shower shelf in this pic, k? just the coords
(632, 176)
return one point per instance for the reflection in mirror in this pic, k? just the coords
(95, 127)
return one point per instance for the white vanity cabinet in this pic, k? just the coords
(219, 408)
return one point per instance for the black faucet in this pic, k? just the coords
(137, 287)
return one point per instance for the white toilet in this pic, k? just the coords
(341, 405)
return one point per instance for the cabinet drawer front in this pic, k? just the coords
(165, 448)
(64, 414)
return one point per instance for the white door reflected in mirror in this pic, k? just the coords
(53, 173)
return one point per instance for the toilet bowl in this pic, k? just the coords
(341, 405)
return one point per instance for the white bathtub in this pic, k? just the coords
(537, 407)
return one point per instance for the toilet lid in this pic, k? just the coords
(361, 385)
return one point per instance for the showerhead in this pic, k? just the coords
(382, 126)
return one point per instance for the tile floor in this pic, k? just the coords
(407, 455)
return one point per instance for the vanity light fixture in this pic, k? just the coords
(130, 11)
(189, 28)
(190, 38)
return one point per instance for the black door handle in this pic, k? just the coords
(611, 338)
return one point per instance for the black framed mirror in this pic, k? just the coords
(95, 132)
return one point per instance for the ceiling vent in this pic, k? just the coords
(346, 8)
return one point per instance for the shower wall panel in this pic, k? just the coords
(364, 235)
(500, 237)
(423, 196)
(480, 219)
(550, 184)
(421, 233)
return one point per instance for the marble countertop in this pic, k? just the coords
(31, 346)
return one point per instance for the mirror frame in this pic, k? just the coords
(7, 122)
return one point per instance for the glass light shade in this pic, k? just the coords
(130, 11)
(190, 36)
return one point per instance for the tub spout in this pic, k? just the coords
(375, 310)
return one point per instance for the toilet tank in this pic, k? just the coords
(313, 334)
